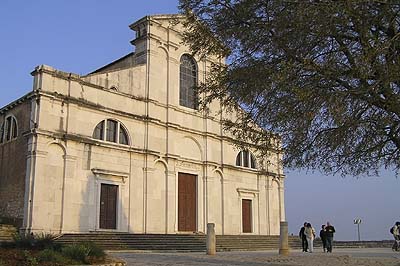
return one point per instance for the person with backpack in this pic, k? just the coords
(395, 231)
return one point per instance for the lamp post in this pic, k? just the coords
(358, 222)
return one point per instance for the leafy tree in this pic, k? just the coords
(324, 75)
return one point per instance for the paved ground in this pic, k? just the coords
(339, 257)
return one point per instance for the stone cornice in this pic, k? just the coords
(37, 153)
(245, 191)
(17, 102)
(63, 75)
(110, 173)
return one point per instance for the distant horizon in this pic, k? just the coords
(84, 36)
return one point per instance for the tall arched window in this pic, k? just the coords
(188, 79)
(246, 159)
(9, 129)
(112, 131)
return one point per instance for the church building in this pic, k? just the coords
(126, 148)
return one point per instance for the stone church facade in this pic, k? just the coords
(126, 149)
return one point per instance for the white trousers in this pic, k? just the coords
(310, 242)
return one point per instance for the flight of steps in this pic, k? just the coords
(177, 243)
(7, 232)
(197, 243)
(140, 242)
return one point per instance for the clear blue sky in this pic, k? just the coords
(81, 36)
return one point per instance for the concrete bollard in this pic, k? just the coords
(284, 240)
(211, 242)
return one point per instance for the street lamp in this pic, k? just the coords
(358, 222)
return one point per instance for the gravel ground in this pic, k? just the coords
(340, 257)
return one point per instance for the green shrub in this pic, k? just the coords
(7, 245)
(46, 241)
(36, 241)
(78, 252)
(94, 250)
(49, 255)
(24, 241)
(29, 259)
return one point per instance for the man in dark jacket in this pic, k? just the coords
(330, 230)
(322, 235)
(303, 238)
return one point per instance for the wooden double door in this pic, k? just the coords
(187, 202)
(108, 206)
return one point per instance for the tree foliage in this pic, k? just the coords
(324, 75)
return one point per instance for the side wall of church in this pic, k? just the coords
(13, 164)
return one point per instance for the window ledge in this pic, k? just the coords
(189, 109)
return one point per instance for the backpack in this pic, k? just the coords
(391, 230)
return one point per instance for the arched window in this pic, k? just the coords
(112, 131)
(246, 159)
(9, 129)
(188, 79)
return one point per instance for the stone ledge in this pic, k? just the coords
(108, 264)
(116, 263)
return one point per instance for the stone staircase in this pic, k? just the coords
(140, 242)
(177, 243)
(197, 243)
(7, 232)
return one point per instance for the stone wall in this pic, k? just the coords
(13, 164)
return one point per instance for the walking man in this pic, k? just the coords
(330, 230)
(303, 238)
(322, 235)
(395, 230)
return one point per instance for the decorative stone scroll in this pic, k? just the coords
(103, 173)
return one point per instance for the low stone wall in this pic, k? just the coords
(363, 244)
(296, 243)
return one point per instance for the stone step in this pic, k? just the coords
(7, 232)
(140, 243)
(157, 242)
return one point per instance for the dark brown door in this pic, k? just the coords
(246, 216)
(108, 206)
(187, 202)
